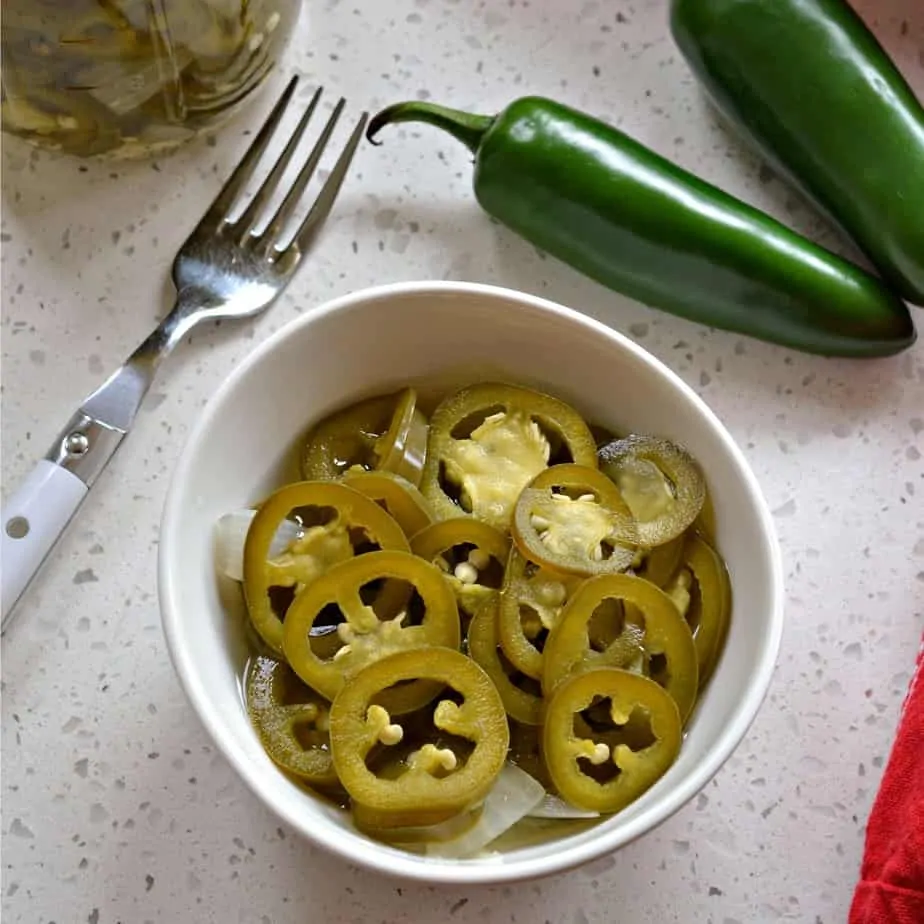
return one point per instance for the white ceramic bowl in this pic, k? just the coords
(380, 339)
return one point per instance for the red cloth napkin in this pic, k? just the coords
(891, 886)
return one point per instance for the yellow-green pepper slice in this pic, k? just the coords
(471, 554)
(365, 636)
(660, 481)
(705, 524)
(660, 644)
(526, 752)
(704, 579)
(629, 737)
(483, 646)
(573, 520)
(660, 564)
(397, 495)
(402, 448)
(387, 432)
(448, 774)
(531, 602)
(488, 441)
(292, 721)
(352, 521)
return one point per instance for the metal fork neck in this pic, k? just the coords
(174, 327)
(117, 400)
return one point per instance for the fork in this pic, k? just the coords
(225, 269)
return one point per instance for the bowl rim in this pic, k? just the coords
(430, 870)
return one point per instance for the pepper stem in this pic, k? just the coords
(464, 126)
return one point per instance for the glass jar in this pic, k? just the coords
(129, 77)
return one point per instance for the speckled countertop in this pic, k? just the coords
(115, 805)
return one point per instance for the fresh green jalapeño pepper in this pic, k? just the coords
(811, 86)
(588, 194)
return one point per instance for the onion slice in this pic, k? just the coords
(514, 795)
(556, 807)
(231, 534)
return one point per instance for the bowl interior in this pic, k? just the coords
(438, 336)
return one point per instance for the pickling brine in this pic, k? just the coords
(93, 77)
(479, 616)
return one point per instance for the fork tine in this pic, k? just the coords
(288, 205)
(325, 200)
(248, 219)
(218, 210)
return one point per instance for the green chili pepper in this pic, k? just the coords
(590, 195)
(809, 83)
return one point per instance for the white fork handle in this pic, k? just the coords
(31, 521)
